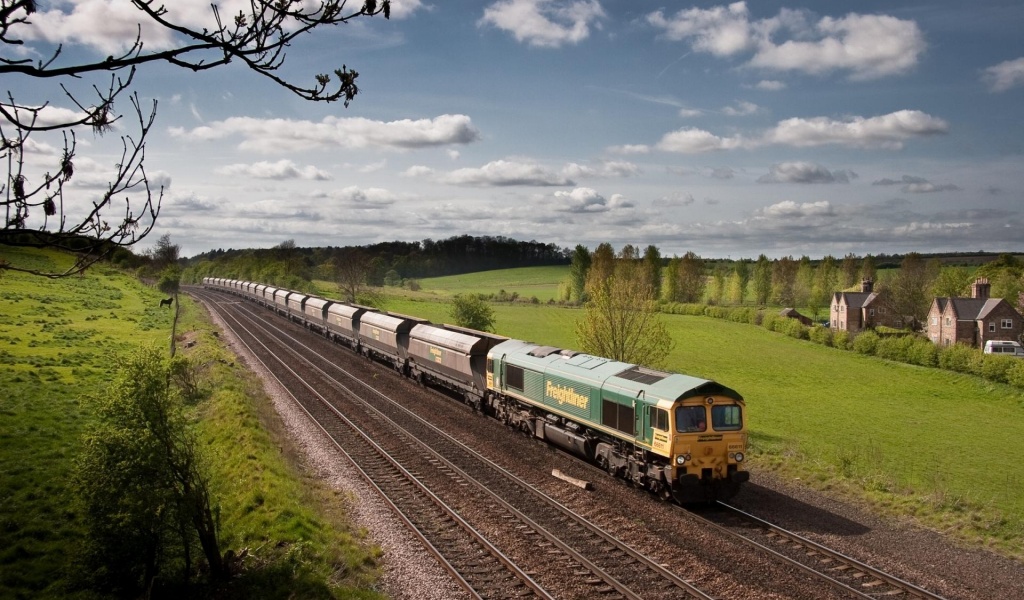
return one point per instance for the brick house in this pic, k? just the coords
(973, 320)
(856, 311)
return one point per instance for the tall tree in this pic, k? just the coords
(906, 292)
(578, 269)
(826, 283)
(784, 280)
(351, 266)
(670, 284)
(851, 270)
(691, 281)
(602, 264)
(804, 282)
(40, 207)
(652, 266)
(740, 279)
(621, 322)
(868, 270)
(951, 282)
(762, 280)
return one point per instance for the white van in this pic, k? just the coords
(1004, 348)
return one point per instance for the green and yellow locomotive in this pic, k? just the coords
(681, 437)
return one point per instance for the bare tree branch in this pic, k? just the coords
(94, 227)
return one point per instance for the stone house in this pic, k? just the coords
(973, 320)
(856, 311)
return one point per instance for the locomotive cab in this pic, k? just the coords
(709, 446)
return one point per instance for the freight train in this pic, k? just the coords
(681, 437)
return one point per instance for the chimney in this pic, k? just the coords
(980, 288)
(867, 286)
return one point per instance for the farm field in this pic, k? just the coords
(930, 444)
(60, 343)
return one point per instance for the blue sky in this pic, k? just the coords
(730, 130)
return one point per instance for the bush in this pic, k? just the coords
(995, 368)
(1015, 376)
(820, 335)
(841, 340)
(792, 328)
(924, 353)
(957, 358)
(895, 348)
(866, 342)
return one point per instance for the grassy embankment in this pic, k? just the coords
(940, 447)
(59, 345)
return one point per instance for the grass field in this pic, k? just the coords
(935, 445)
(60, 341)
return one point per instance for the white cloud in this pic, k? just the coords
(545, 23)
(366, 199)
(588, 200)
(917, 185)
(885, 131)
(281, 135)
(282, 169)
(866, 46)
(804, 172)
(498, 173)
(689, 113)
(889, 131)
(696, 141)
(604, 169)
(1005, 75)
(630, 149)
(790, 209)
(722, 31)
(741, 109)
(770, 85)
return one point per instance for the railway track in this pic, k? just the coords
(830, 566)
(499, 536)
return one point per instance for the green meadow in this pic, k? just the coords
(60, 343)
(933, 445)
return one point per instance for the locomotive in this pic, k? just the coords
(680, 437)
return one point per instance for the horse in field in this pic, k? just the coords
(166, 302)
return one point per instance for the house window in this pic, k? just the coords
(948, 322)
(871, 312)
(881, 310)
(935, 320)
(991, 325)
(1007, 323)
(947, 341)
(898, 323)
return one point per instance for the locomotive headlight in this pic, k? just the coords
(680, 460)
(738, 457)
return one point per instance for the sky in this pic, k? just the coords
(730, 130)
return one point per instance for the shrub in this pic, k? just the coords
(792, 328)
(1015, 375)
(957, 358)
(995, 368)
(768, 321)
(923, 352)
(895, 348)
(820, 335)
(866, 342)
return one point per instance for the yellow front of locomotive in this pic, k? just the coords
(709, 447)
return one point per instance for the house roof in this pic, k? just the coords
(970, 309)
(857, 299)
